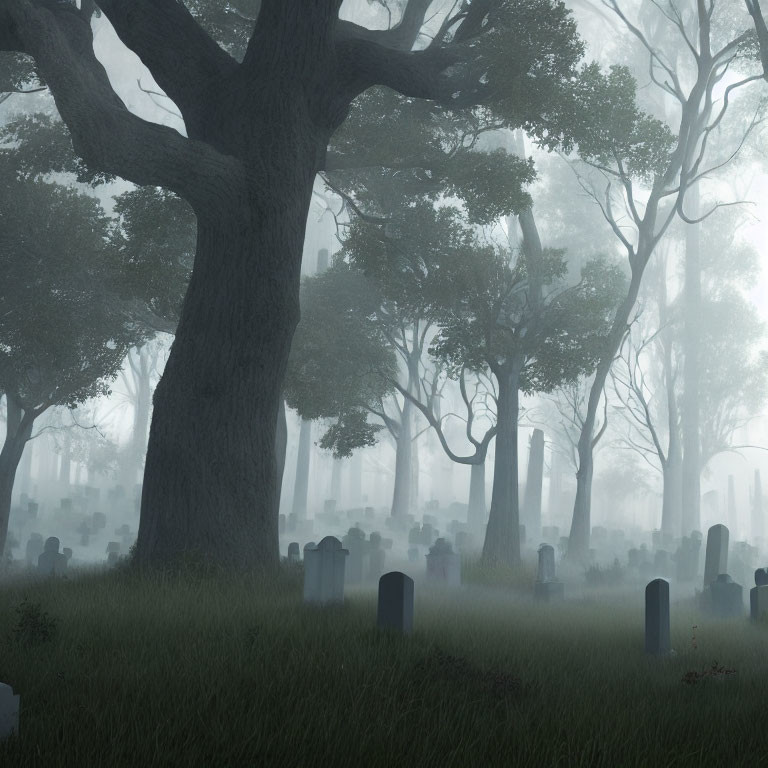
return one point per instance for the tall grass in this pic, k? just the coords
(230, 671)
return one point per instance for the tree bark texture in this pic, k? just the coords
(18, 431)
(502, 535)
(477, 510)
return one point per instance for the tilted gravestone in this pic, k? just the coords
(9, 711)
(547, 587)
(443, 564)
(727, 597)
(324, 572)
(657, 617)
(395, 607)
(50, 562)
(758, 596)
(716, 561)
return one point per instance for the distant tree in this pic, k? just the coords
(61, 341)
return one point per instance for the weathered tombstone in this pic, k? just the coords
(657, 617)
(426, 535)
(292, 519)
(354, 542)
(547, 587)
(716, 561)
(758, 595)
(727, 597)
(324, 572)
(50, 562)
(67, 552)
(395, 607)
(34, 548)
(9, 711)
(414, 535)
(293, 552)
(443, 564)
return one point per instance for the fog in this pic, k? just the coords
(477, 302)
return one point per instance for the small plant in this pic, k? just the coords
(34, 625)
(717, 672)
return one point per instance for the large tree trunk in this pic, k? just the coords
(690, 404)
(301, 487)
(18, 431)
(672, 502)
(356, 479)
(477, 511)
(210, 481)
(336, 481)
(502, 535)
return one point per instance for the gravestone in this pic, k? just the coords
(716, 561)
(395, 607)
(84, 529)
(547, 587)
(67, 552)
(324, 572)
(727, 597)
(292, 518)
(51, 562)
(657, 617)
(34, 548)
(443, 564)
(293, 552)
(758, 596)
(354, 542)
(9, 711)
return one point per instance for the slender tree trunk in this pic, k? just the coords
(733, 517)
(578, 541)
(401, 495)
(672, 501)
(757, 510)
(690, 404)
(502, 535)
(18, 431)
(477, 511)
(415, 471)
(534, 477)
(24, 474)
(555, 494)
(301, 488)
(142, 407)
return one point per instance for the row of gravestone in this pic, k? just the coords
(657, 618)
(325, 567)
(51, 562)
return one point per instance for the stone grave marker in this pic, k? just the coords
(657, 617)
(727, 600)
(354, 542)
(9, 711)
(547, 587)
(50, 562)
(395, 606)
(443, 564)
(324, 572)
(716, 561)
(758, 595)
(293, 552)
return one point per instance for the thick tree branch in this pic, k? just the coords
(104, 132)
(753, 6)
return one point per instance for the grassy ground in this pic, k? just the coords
(212, 672)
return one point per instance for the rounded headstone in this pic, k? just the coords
(52, 544)
(761, 577)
